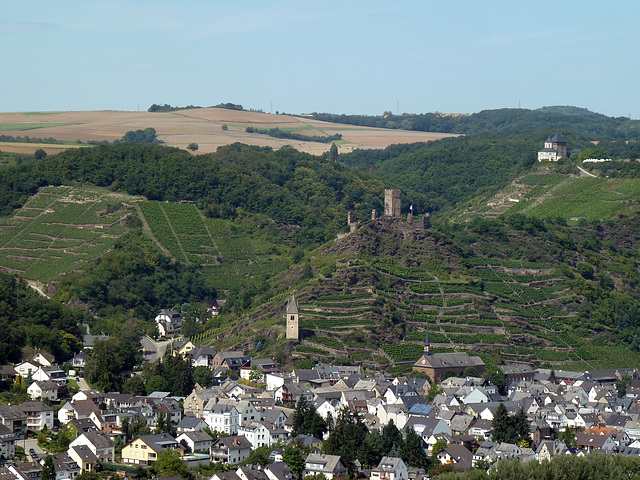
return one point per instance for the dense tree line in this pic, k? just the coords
(450, 171)
(351, 439)
(28, 139)
(501, 120)
(277, 133)
(168, 108)
(592, 466)
(29, 319)
(290, 187)
(509, 428)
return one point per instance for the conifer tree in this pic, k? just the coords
(412, 451)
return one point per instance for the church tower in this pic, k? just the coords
(426, 343)
(293, 318)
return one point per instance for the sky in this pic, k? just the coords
(348, 56)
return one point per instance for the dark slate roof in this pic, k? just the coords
(515, 368)
(444, 360)
(557, 138)
(292, 306)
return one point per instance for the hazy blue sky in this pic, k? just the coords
(327, 56)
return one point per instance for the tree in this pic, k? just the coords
(333, 153)
(509, 429)
(39, 154)
(193, 146)
(621, 385)
(134, 385)
(103, 365)
(178, 371)
(255, 375)
(438, 446)
(156, 383)
(203, 376)
(568, 436)
(447, 374)
(500, 425)
(307, 421)
(496, 376)
(390, 436)
(258, 456)
(370, 452)
(164, 425)
(470, 372)
(169, 463)
(412, 451)
(521, 425)
(433, 392)
(48, 470)
(293, 458)
(348, 434)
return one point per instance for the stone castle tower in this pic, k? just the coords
(293, 319)
(392, 203)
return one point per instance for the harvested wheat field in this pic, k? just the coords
(202, 126)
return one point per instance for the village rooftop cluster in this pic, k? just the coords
(259, 413)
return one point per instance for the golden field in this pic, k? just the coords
(202, 126)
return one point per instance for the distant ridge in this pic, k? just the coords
(570, 110)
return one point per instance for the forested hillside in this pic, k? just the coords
(445, 173)
(287, 186)
(502, 121)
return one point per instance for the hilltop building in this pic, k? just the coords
(554, 149)
(293, 319)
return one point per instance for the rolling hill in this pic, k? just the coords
(520, 264)
(203, 126)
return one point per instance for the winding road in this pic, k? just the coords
(153, 351)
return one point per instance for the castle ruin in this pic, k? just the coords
(392, 203)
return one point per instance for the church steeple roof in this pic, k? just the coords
(292, 306)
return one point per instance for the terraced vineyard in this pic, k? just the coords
(228, 253)
(516, 308)
(62, 229)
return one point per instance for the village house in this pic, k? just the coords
(516, 373)
(195, 442)
(390, 468)
(189, 423)
(14, 418)
(222, 417)
(331, 466)
(181, 347)
(66, 468)
(43, 389)
(230, 450)
(39, 415)
(456, 455)
(99, 444)
(8, 441)
(144, 450)
(84, 457)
